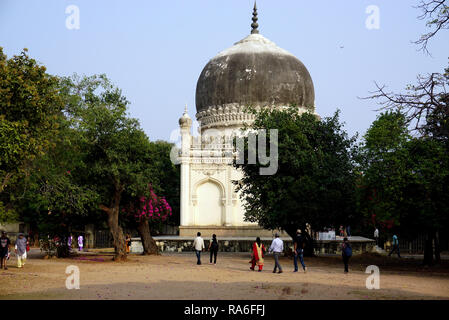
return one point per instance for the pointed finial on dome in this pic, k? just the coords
(185, 120)
(255, 25)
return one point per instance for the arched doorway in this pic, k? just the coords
(209, 209)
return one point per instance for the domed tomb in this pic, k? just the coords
(254, 72)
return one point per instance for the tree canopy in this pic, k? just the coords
(404, 185)
(30, 106)
(79, 155)
(315, 178)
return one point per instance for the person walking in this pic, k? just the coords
(299, 251)
(198, 244)
(395, 246)
(128, 243)
(348, 230)
(277, 246)
(69, 242)
(341, 232)
(21, 250)
(80, 242)
(376, 236)
(213, 248)
(346, 252)
(4, 250)
(257, 255)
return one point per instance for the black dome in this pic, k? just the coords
(254, 72)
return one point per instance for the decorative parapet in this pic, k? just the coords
(234, 115)
(228, 115)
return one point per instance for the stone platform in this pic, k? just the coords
(228, 232)
(243, 244)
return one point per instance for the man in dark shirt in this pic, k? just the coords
(4, 249)
(299, 251)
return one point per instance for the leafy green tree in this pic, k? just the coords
(54, 200)
(115, 147)
(315, 181)
(164, 179)
(427, 193)
(30, 105)
(383, 164)
(50, 197)
(405, 179)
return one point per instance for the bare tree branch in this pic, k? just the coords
(437, 14)
(425, 105)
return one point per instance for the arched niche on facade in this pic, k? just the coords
(209, 200)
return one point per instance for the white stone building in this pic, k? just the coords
(254, 72)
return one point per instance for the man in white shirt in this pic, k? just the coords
(277, 246)
(198, 244)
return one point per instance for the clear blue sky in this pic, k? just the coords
(156, 50)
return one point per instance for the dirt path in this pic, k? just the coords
(178, 277)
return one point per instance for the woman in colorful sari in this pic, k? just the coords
(257, 255)
(128, 243)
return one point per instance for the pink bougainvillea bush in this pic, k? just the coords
(152, 207)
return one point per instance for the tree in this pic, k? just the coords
(145, 211)
(30, 105)
(427, 193)
(383, 166)
(425, 105)
(164, 178)
(115, 147)
(404, 181)
(315, 181)
(53, 200)
(425, 108)
(437, 11)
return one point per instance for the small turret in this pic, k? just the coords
(185, 121)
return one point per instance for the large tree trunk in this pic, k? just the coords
(291, 231)
(437, 248)
(309, 244)
(148, 243)
(309, 249)
(114, 227)
(428, 250)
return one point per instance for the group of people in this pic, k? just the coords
(277, 248)
(70, 242)
(395, 243)
(21, 248)
(198, 244)
(258, 254)
(344, 231)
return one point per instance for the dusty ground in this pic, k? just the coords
(177, 276)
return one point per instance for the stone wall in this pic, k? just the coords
(244, 245)
(229, 232)
(334, 246)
